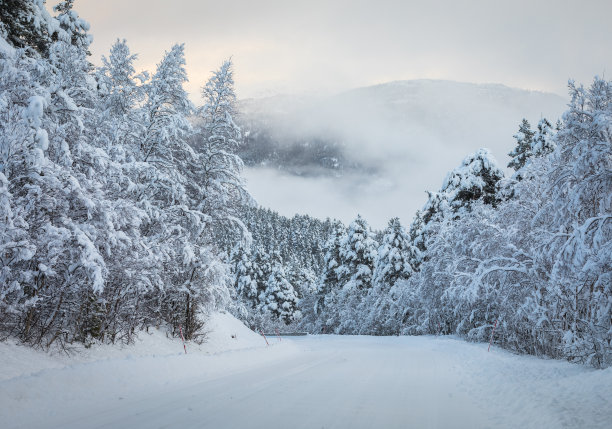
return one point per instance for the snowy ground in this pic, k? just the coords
(305, 382)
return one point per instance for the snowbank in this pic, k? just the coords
(6, 48)
(59, 386)
(225, 333)
(228, 333)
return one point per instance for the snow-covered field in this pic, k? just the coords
(305, 382)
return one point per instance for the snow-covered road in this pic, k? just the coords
(317, 382)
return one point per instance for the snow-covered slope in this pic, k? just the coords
(224, 333)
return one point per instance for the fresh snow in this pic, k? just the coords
(6, 48)
(224, 333)
(307, 382)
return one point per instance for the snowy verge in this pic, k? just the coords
(57, 385)
(225, 333)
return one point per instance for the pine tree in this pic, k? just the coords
(27, 24)
(475, 179)
(216, 143)
(417, 241)
(167, 108)
(393, 263)
(393, 258)
(280, 298)
(263, 269)
(246, 276)
(118, 82)
(524, 143)
(74, 30)
(357, 253)
(543, 143)
(329, 280)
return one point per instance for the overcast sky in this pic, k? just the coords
(282, 46)
(328, 46)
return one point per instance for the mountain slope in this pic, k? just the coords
(375, 150)
(357, 129)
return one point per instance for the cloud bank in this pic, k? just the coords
(405, 136)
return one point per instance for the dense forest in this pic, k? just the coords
(122, 208)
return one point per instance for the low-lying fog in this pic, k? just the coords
(392, 142)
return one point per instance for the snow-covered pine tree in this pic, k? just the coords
(245, 274)
(73, 30)
(543, 141)
(357, 255)
(216, 143)
(27, 24)
(474, 180)
(118, 81)
(329, 279)
(392, 264)
(417, 241)
(167, 108)
(524, 144)
(328, 287)
(393, 258)
(280, 298)
(263, 267)
(472, 184)
(305, 282)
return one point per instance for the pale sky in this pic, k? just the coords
(320, 46)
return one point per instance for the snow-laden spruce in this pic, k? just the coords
(392, 264)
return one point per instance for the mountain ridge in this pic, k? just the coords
(318, 134)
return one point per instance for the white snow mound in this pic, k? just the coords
(223, 333)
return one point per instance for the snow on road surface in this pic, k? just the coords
(315, 382)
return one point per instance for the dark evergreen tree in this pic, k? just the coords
(524, 143)
(522, 152)
(417, 240)
(474, 180)
(27, 24)
(329, 282)
(75, 29)
(543, 143)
